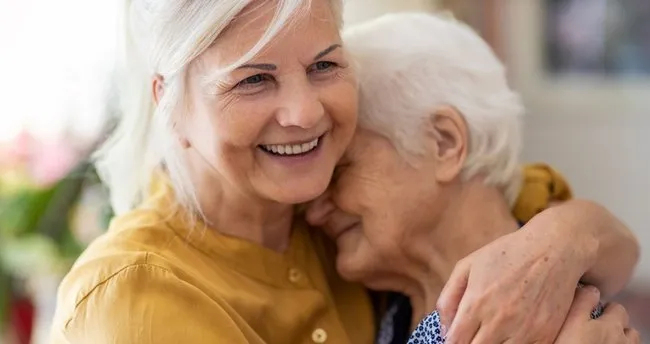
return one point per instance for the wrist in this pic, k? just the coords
(575, 243)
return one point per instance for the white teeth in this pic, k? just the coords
(292, 149)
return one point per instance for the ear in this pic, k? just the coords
(158, 90)
(450, 134)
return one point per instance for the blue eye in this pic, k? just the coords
(252, 80)
(323, 66)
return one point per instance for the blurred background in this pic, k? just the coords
(582, 67)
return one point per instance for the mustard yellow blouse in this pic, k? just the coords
(153, 278)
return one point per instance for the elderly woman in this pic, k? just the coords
(234, 111)
(424, 195)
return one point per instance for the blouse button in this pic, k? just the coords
(294, 275)
(319, 336)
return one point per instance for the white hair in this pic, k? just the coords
(410, 64)
(163, 37)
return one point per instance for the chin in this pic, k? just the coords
(301, 193)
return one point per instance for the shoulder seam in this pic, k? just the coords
(105, 280)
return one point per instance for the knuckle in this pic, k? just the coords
(471, 303)
(616, 307)
(620, 311)
(506, 315)
(633, 336)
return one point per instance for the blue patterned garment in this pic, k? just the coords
(429, 331)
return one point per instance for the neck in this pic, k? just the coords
(237, 213)
(475, 215)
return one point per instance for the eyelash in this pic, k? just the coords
(247, 84)
(256, 80)
(329, 66)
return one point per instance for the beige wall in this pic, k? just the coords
(360, 10)
(595, 130)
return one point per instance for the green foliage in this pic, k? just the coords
(35, 232)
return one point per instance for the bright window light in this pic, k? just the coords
(55, 60)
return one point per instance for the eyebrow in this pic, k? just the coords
(262, 66)
(327, 51)
(272, 67)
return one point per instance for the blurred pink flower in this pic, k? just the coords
(17, 152)
(51, 161)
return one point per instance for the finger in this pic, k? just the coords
(584, 301)
(615, 312)
(464, 327)
(633, 336)
(319, 210)
(452, 293)
(486, 335)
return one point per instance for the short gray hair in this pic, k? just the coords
(410, 64)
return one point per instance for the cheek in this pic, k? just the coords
(348, 194)
(237, 125)
(341, 103)
(383, 233)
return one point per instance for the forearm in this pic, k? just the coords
(607, 249)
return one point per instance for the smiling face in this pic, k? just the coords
(275, 127)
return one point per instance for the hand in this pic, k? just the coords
(517, 289)
(611, 328)
(320, 210)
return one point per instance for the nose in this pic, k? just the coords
(302, 107)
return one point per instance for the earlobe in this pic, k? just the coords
(182, 140)
(451, 140)
(185, 144)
